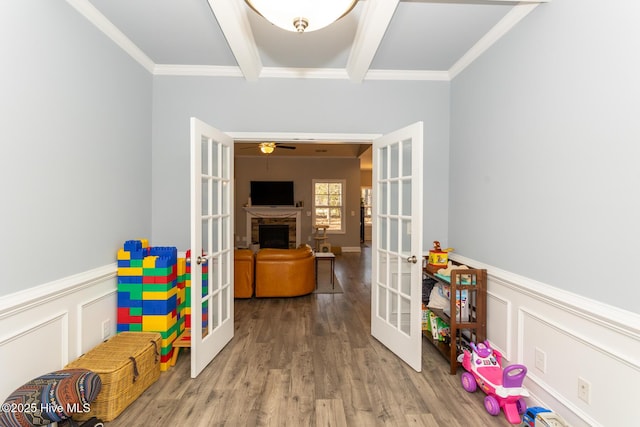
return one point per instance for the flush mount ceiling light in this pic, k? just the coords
(267, 147)
(302, 15)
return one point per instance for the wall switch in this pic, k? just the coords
(584, 390)
(106, 329)
(541, 360)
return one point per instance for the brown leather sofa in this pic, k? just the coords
(285, 272)
(243, 273)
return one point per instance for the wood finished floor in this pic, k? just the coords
(310, 361)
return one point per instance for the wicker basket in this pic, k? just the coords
(127, 364)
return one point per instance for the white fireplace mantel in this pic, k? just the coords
(274, 212)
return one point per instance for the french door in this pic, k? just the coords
(396, 279)
(211, 243)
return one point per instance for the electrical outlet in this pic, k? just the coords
(541, 360)
(584, 390)
(106, 329)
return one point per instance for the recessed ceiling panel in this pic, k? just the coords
(169, 31)
(434, 35)
(328, 47)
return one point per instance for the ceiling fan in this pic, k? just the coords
(269, 147)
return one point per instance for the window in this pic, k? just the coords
(365, 200)
(328, 204)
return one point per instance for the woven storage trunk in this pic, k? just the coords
(127, 364)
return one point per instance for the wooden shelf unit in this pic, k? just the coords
(471, 328)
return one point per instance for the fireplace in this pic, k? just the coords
(273, 236)
(257, 216)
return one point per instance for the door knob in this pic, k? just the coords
(412, 259)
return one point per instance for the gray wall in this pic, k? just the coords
(75, 126)
(301, 170)
(284, 105)
(545, 144)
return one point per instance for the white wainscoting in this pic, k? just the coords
(45, 327)
(580, 338)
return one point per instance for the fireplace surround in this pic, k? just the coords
(276, 215)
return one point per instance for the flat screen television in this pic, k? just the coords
(272, 193)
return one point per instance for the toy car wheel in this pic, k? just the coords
(492, 405)
(468, 382)
(521, 405)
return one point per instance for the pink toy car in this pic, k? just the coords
(502, 386)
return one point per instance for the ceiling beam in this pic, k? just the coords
(94, 16)
(373, 24)
(515, 15)
(234, 23)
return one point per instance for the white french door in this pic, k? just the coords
(396, 279)
(211, 243)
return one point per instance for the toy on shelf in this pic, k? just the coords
(503, 386)
(438, 257)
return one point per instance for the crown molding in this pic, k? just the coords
(407, 75)
(197, 70)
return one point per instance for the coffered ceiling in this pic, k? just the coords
(377, 40)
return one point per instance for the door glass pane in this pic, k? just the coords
(382, 204)
(225, 198)
(382, 302)
(225, 233)
(406, 158)
(204, 156)
(405, 282)
(384, 161)
(394, 197)
(225, 270)
(215, 311)
(393, 309)
(214, 274)
(405, 319)
(406, 237)
(393, 235)
(215, 158)
(215, 190)
(205, 236)
(215, 235)
(226, 173)
(225, 307)
(394, 167)
(205, 279)
(205, 197)
(382, 268)
(382, 235)
(406, 197)
(393, 284)
(205, 318)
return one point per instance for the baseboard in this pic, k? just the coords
(355, 249)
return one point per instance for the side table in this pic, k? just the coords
(331, 257)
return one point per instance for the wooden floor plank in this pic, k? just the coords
(310, 361)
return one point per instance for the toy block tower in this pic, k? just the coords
(130, 259)
(159, 298)
(148, 293)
